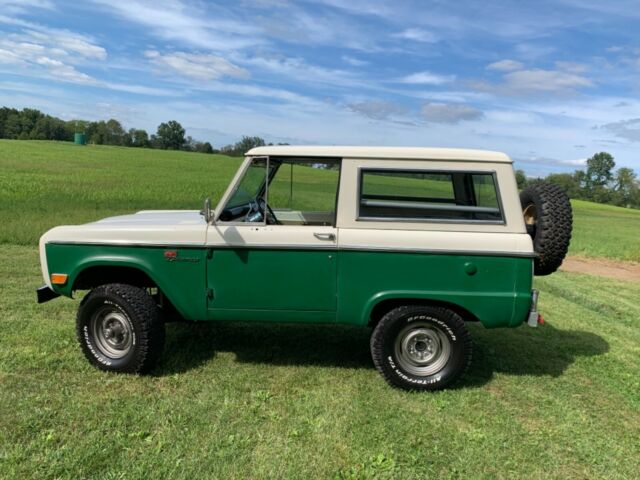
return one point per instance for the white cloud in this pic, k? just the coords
(539, 160)
(449, 112)
(626, 129)
(572, 67)
(176, 20)
(378, 8)
(24, 51)
(418, 35)
(427, 78)
(66, 42)
(297, 69)
(377, 109)
(505, 65)
(198, 66)
(356, 62)
(9, 57)
(538, 80)
(18, 7)
(142, 89)
(517, 80)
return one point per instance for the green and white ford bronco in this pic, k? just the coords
(410, 242)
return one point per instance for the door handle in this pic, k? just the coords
(325, 236)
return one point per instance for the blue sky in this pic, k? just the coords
(549, 83)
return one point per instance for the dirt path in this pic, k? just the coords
(618, 270)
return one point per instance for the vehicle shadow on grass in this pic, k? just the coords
(188, 346)
(542, 351)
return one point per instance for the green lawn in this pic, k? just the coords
(256, 401)
(605, 231)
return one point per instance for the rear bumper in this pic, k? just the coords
(45, 294)
(534, 318)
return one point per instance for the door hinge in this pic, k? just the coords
(209, 253)
(209, 293)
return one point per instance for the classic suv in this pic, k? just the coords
(413, 242)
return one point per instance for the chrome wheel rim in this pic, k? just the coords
(112, 331)
(422, 349)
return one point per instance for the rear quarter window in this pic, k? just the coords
(455, 196)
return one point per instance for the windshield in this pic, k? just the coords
(251, 184)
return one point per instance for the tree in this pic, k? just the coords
(521, 179)
(243, 146)
(599, 168)
(247, 143)
(139, 138)
(567, 181)
(626, 186)
(13, 126)
(106, 133)
(204, 147)
(170, 135)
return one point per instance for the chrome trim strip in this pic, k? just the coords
(480, 253)
(116, 243)
(334, 247)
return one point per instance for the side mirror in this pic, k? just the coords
(206, 211)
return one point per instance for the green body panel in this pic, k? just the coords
(182, 280)
(260, 281)
(366, 278)
(524, 284)
(314, 286)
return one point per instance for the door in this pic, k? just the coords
(274, 257)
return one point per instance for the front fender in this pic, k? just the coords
(181, 278)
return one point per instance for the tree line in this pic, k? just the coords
(599, 182)
(32, 124)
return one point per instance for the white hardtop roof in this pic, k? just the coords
(387, 153)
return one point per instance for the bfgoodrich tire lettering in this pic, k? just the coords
(417, 347)
(119, 329)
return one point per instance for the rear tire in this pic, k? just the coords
(549, 219)
(119, 329)
(418, 347)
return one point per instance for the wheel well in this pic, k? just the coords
(386, 305)
(100, 275)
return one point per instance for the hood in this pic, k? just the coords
(148, 227)
(154, 217)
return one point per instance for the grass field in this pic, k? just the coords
(252, 401)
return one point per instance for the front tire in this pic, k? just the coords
(119, 329)
(417, 347)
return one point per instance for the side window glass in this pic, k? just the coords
(303, 191)
(485, 190)
(428, 196)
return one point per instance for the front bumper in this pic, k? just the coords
(45, 294)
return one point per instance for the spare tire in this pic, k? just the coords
(548, 217)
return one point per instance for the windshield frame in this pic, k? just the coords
(262, 191)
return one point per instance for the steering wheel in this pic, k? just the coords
(257, 209)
